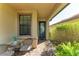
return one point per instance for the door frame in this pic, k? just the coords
(39, 28)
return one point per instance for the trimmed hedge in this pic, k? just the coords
(65, 32)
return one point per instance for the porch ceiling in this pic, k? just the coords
(44, 9)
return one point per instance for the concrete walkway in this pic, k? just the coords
(43, 49)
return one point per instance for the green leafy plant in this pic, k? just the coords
(67, 31)
(67, 49)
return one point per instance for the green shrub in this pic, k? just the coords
(67, 49)
(65, 32)
(62, 27)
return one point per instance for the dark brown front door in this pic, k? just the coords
(42, 30)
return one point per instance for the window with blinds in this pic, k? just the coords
(25, 25)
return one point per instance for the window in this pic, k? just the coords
(25, 25)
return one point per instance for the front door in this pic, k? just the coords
(42, 30)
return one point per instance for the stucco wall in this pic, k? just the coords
(47, 29)
(34, 25)
(34, 22)
(9, 23)
(8, 17)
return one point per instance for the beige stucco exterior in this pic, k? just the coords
(34, 22)
(9, 23)
(8, 17)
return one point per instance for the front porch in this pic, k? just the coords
(26, 21)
